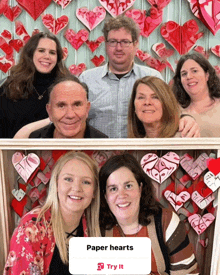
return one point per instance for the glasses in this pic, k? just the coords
(123, 43)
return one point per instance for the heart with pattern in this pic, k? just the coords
(55, 25)
(116, 7)
(201, 223)
(76, 39)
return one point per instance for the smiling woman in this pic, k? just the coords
(71, 209)
(24, 94)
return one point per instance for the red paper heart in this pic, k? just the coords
(161, 50)
(63, 3)
(93, 45)
(97, 61)
(6, 64)
(182, 38)
(6, 35)
(76, 39)
(18, 206)
(202, 51)
(214, 165)
(6, 48)
(55, 25)
(17, 44)
(3, 5)
(116, 7)
(200, 224)
(91, 18)
(65, 53)
(21, 31)
(142, 55)
(77, 69)
(216, 50)
(160, 4)
(156, 64)
(147, 23)
(34, 7)
(12, 13)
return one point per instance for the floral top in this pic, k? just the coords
(32, 246)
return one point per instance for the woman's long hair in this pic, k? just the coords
(52, 202)
(19, 84)
(170, 118)
(148, 205)
(213, 82)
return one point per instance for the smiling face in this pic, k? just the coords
(45, 55)
(75, 187)
(148, 106)
(123, 195)
(68, 109)
(121, 59)
(194, 79)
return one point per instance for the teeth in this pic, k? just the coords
(45, 63)
(191, 84)
(124, 205)
(75, 198)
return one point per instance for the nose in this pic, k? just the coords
(189, 75)
(122, 192)
(148, 101)
(70, 112)
(118, 45)
(77, 185)
(46, 55)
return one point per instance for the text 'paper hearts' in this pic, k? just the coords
(76, 39)
(159, 169)
(116, 7)
(200, 224)
(55, 25)
(25, 165)
(91, 18)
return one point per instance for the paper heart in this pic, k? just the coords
(5, 64)
(160, 4)
(161, 50)
(200, 200)
(6, 47)
(34, 194)
(18, 194)
(25, 165)
(182, 38)
(12, 13)
(212, 180)
(216, 50)
(147, 23)
(200, 224)
(21, 31)
(202, 188)
(194, 168)
(63, 3)
(17, 44)
(55, 25)
(97, 61)
(6, 35)
(91, 18)
(43, 178)
(3, 5)
(202, 51)
(93, 45)
(177, 201)
(142, 55)
(34, 7)
(18, 206)
(77, 69)
(76, 39)
(116, 7)
(65, 53)
(159, 169)
(156, 64)
(214, 165)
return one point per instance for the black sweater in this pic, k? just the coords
(16, 114)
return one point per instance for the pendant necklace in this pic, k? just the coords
(40, 96)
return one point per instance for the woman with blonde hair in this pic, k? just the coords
(39, 244)
(153, 110)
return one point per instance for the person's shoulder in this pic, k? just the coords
(94, 133)
(42, 132)
(92, 72)
(31, 216)
(147, 71)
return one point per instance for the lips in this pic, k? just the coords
(75, 197)
(123, 205)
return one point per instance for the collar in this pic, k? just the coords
(106, 70)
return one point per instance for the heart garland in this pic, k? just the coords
(182, 38)
(91, 18)
(77, 69)
(116, 7)
(93, 45)
(76, 39)
(208, 12)
(97, 61)
(55, 25)
(63, 3)
(34, 7)
(12, 12)
(159, 169)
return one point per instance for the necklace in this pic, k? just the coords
(40, 96)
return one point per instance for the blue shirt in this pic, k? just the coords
(109, 97)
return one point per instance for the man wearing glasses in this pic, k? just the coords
(110, 85)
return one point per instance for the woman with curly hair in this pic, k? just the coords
(129, 209)
(24, 94)
(197, 89)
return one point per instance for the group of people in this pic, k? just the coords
(118, 202)
(101, 103)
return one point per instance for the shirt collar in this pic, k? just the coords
(107, 71)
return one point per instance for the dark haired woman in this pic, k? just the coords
(197, 89)
(23, 96)
(128, 208)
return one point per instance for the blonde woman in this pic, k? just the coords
(153, 110)
(39, 244)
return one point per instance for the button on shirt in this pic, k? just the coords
(109, 97)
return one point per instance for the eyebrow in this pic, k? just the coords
(189, 68)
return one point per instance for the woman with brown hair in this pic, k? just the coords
(153, 110)
(23, 96)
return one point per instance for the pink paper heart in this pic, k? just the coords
(182, 38)
(34, 7)
(159, 169)
(160, 4)
(200, 224)
(93, 45)
(3, 5)
(25, 165)
(147, 23)
(76, 39)
(161, 50)
(55, 25)
(21, 31)
(77, 69)
(142, 55)
(63, 3)
(91, 18)
(212, 180)
(200, 200)
(12, 13)
(177, 201)
(98, 60)
(194, 168)
(116, 7)
(216, 50)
